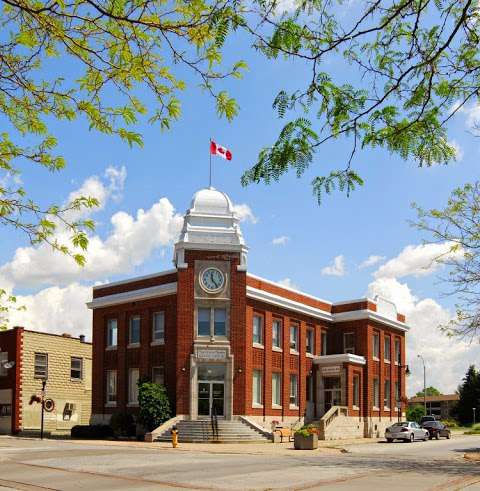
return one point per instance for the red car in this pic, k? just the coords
(436, 429)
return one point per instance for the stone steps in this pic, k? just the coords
(200, 431)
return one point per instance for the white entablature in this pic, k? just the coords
(210, 224)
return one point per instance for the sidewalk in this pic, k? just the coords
(287, 448)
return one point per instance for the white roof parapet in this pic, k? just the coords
(133, 295)
(340, 358)
(286, 303)
(135, 278)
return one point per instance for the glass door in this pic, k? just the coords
(333, 392)
(211, 394)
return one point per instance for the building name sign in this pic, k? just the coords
(333, 370)
(210, 354)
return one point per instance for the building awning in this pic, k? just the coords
(340, 358)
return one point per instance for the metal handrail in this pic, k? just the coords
(214, 421)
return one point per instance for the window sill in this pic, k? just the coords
(76, 380)
(277, 349)
(276, 406)
(111, 404)
(396, 363)
(386, 361)
(111, 348)
(293, 406)
(133, 345)
(132, 404)
(294, 352)
(309, 355)
(257, 406)
(385, 408)
(356, 408)
(258, 345)
(158, 343)
(375, 408)
(375, 358)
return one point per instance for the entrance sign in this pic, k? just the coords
(210, 354)
(328, 371)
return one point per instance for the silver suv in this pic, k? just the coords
(408, 431)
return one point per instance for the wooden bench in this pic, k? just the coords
(283, 433)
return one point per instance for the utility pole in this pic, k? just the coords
(44, 383)
(424, 385)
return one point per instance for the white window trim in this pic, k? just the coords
(276, 406)
(262, 331)
(161, 341)
(293, 406)
(309, 355)
(257, 345)
(349, 349)
(133, 345)
(212, 322)
(111, 346)
(294, 351)
(76, 379)
(277, 349)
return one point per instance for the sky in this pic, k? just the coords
(345, 248)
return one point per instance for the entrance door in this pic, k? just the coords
(211, 395)
(333, 392)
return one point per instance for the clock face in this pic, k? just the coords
(212, 279)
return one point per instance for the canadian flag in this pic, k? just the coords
(223, 152)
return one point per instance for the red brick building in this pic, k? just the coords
(216, 335)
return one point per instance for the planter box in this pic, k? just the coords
(309, 442)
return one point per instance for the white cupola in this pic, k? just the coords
(210, 224)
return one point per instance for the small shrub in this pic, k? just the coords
(306, 430)
(91, 432)
(123, 425)
(450, 422)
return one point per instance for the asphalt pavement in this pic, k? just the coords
(34, 465)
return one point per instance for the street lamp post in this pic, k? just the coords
(474, 409)
(424, 385)
(44, 383)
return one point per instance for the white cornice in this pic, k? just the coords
(340, 358)
(133, 295)
(279, 301)
(286, 303)
(137, 278)
(274, 283)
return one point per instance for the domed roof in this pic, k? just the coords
(211, 201)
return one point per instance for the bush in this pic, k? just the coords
(123, 425)
(306, 430)
(154, 405)
(92, 431)
(415, 413)
(450, 422)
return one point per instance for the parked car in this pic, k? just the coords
(427, 418)
(407, 431)
(436, 429)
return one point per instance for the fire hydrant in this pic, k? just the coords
(174, 438)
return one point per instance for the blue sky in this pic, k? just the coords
(173, 165)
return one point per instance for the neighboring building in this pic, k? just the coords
(29, 357)
(216, 335)
(439, 406)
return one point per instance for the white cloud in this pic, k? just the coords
(472, 115)
(244, 213)
(337, 268)
(282, 240)
(419, 260)
(446, 359)
(371, 261)
(130, 242)
(288, 283)
(56, 310)
(459, 153)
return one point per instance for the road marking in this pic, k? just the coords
(23, 486)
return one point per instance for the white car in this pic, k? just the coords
(408, 431)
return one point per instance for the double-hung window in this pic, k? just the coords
(134, 330)
(76, 368)
(398, 356)
(324, 343)
(276, 389)
(112, 333)
(3, 360)
(386, 394)
(111, 386)
(310, 341)
(376, 393)
(41, 366)
(386, 348)
(356, 390)
(211, 321)
(257, 329)
(376, 345)
(133, 375)
(349, 342)
(158, 327)
(257, 391)
(294, 338)
(158, 375)
(293, 389)
(277, 334)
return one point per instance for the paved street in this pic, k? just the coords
(62, 465)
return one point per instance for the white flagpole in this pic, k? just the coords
(210, 154)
